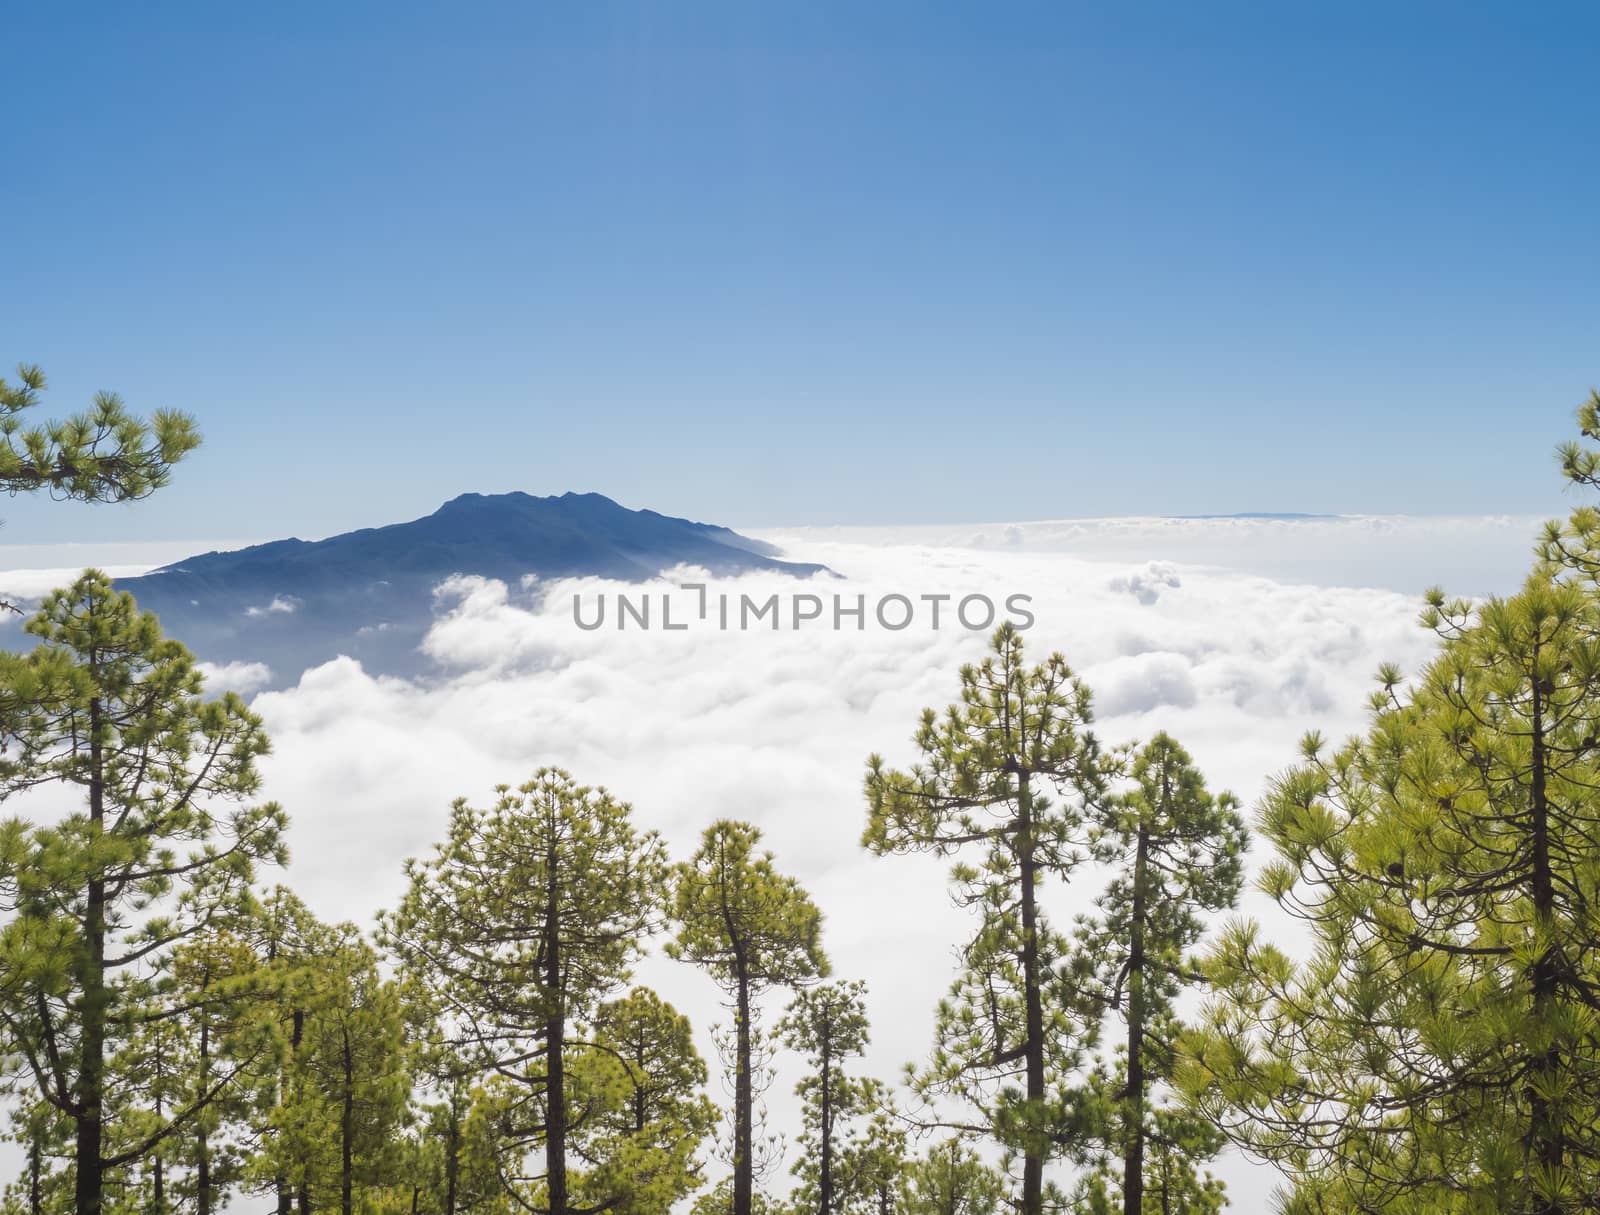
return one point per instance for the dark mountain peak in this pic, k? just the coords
(369, 593)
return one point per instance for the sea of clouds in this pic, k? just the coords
(1236, 636)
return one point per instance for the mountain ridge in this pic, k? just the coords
(292, 603)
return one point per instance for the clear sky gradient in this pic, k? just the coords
(808, 263)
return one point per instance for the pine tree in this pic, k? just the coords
(336, 1092)
(751, 929)
(289, 945)
(210, 1028)
(951, 1180)
(1574, 545)
(43, 1186)
(828, 1025)
(981, 790)
(1440, 1049)
(645, 1114)
(104, 454)
(445, 1170)
(165, 846)
(719, 1201)
(352, 1065)
(1174, 853)
(447, 1159)
(527, 918)
(872, 1162)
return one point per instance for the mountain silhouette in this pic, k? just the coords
(295, 603)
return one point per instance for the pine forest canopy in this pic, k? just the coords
(180, 1033)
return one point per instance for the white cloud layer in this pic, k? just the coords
(1468, 554)
(33, 583)
(774, 726)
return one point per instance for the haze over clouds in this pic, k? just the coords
(774, 726)
(1468, 554)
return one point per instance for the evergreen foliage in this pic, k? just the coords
(1005, 779)
(750, 928)
(527, 918)
(1437, 1049)
(177, 1040)
(1174, 854)
(104, 454)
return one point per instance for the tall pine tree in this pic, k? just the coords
(1015, 1025)
(1174, 853)
(751, 929)
(164, 844)
(950, 1179)
(1439, 1050)
(526, 919)
(828, 1025)
(645, 1111)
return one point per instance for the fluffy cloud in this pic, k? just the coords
(28, 585)
(774, 725)
(281, 604)
(241, 677)
(1146, 584)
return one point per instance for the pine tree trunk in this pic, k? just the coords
(1033, 1002)
(347, 1131)
(743, 1101)
(89, 1181)
(35, 1175)
(825, 1167)
(1545, 1130)
(452, 1151)
(302, 1190)
(555, 1143)
(640, 1108)
(286, 1194)
(158, 1180)
(1133, 1156)
(202, 1146)
(202, 1173)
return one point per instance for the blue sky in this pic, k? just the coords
(809, 263)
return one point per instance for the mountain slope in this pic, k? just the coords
(369, 593)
